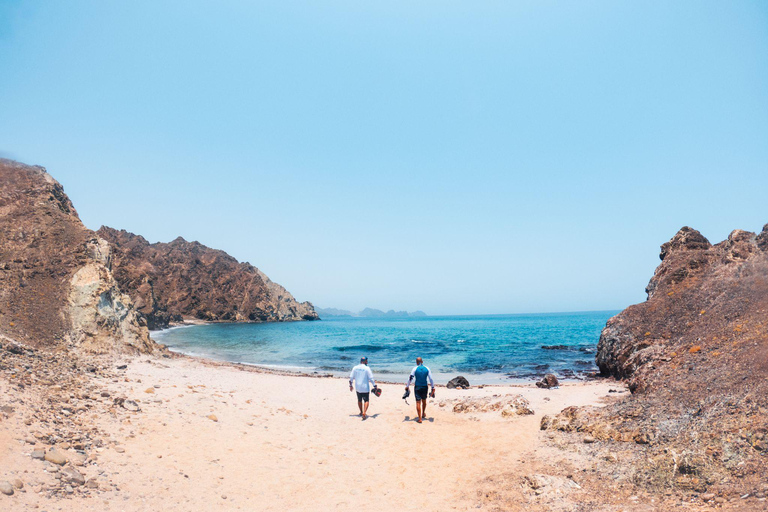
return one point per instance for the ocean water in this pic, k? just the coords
(485, 349)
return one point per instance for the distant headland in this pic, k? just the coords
(367, 313)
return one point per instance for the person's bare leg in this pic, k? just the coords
(418, 411)
(365, 410)
(360, 406)
(424, 409)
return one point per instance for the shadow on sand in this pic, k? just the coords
(367, 418)
(408, 418)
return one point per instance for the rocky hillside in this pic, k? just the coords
(695, 357)
(186, 280)
(56, 287)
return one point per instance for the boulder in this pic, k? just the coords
(458, 382)
(549, 381)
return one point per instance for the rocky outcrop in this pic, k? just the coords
(56, 286)
(170, 282)
(701, 299)
(695, 357)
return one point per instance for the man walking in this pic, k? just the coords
(363, 378)
(421, 375)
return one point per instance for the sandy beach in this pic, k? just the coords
(214, 436)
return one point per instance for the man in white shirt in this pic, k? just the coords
(363, 378)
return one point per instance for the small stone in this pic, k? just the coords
(6, 488)
(212, 417)
(73, 476)
(56, 456)
(149, 390)
(17, 483)
(131, 406)
(68, 489)
(38, 454)
(119, 449)
(105, 394)
(708, 496)
(92, 484)
(589, 439)
(76, 458)
(223, 496)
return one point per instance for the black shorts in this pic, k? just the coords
(420, 392)
(363, 397)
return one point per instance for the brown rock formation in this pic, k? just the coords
(701, 299)
(180, 279)
(55, 282)
(696, 358)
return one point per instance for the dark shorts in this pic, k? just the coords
(420, 392)
(363, 397)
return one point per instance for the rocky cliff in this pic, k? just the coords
(187, 280)
(56, 286)
(695, 357)
(703, 299)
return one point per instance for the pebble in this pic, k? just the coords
(38, 454)
(119, 449)
(589, 439)
(212, 417)
(708, 496)
(6, 488)
(17, 483)
(56, 456)
(73, 475)
(149, 390)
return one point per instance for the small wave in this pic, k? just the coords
(460, 341)
(360, 348)
(419, 341)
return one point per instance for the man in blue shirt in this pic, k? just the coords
(363, 378)
(421, 375)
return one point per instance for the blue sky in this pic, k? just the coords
(455, 157)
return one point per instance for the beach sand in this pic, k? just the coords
(213, 436)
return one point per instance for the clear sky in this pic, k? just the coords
(455, 157)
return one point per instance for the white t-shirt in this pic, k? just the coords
(363, 377)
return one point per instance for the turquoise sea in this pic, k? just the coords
(485, 349)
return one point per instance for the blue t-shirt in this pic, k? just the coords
(422, 374)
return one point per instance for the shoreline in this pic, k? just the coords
(484, 378)
(384, 380)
